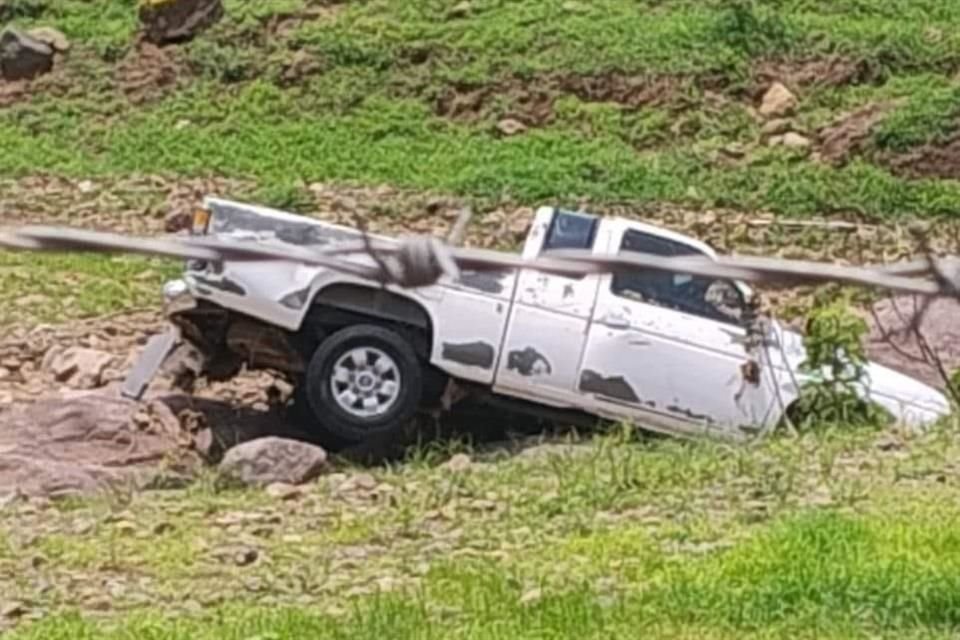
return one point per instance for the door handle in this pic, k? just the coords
(616, 321)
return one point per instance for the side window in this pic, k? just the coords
(711, 298)
(570, 230)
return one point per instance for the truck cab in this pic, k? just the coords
(629, 345)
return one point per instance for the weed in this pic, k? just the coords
(836, 366)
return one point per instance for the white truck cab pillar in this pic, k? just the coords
(546, 333)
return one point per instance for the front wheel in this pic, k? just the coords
(364, 381)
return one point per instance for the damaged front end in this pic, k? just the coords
(207, 339)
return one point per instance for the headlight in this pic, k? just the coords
(175, 289)
(201, 221)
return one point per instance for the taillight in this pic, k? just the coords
(201, 221)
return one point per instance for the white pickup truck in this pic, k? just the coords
(667, 352)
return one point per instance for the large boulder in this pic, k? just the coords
(170, 21)
(23, 57)
(271, 460)
(83, 444)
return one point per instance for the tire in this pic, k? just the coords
(363, 382)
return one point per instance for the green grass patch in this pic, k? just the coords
(262, 133)
(62, 287)
(817, 574)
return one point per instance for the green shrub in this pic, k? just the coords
(836, 368)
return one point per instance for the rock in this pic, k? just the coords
(246, 557)
(23, 57)
(532, 596)
(4, 373)
(776, 127)
(777, 102)
(458, 11)
(459, 463)
(82, 445)
(283, 491)
(796, 141)
(51, 37)
(81, 368)
(12, 609)
(359, 482)
(265, 461)
(511, 127)
(171, 21)
(161, 528)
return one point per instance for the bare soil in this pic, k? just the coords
(849, 134)
(149, 73)
(809, 73)
(935, 160)
(531, 101)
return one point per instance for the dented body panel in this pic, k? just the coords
(588, 343)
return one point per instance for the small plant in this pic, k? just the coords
(750, 32)
(836, 369)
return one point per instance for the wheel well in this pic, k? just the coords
(341, 305)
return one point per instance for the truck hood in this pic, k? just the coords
(911, 401)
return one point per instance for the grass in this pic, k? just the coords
(605, 538)
(48, 288)
(825, 536)
(366, 114)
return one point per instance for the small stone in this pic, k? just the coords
(12, 609)
(270, 460)
(245, 557)
(55, 39)
(23, 57)
(4, 373)
(458, 11)
(9, 498)
(532, 596)
(359, 482)
(81, 368)
(575, 7)
(889, 443)
(796, 141)
(161, 528)
(125, 527)
(775, 127)
(283, 491)
(511, 127)
(778, 101)
(459, 463)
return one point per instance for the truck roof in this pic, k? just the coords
(651, 229)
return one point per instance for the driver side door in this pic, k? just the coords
(663, 348)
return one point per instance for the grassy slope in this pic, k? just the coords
(622, 539)
(827, 536)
